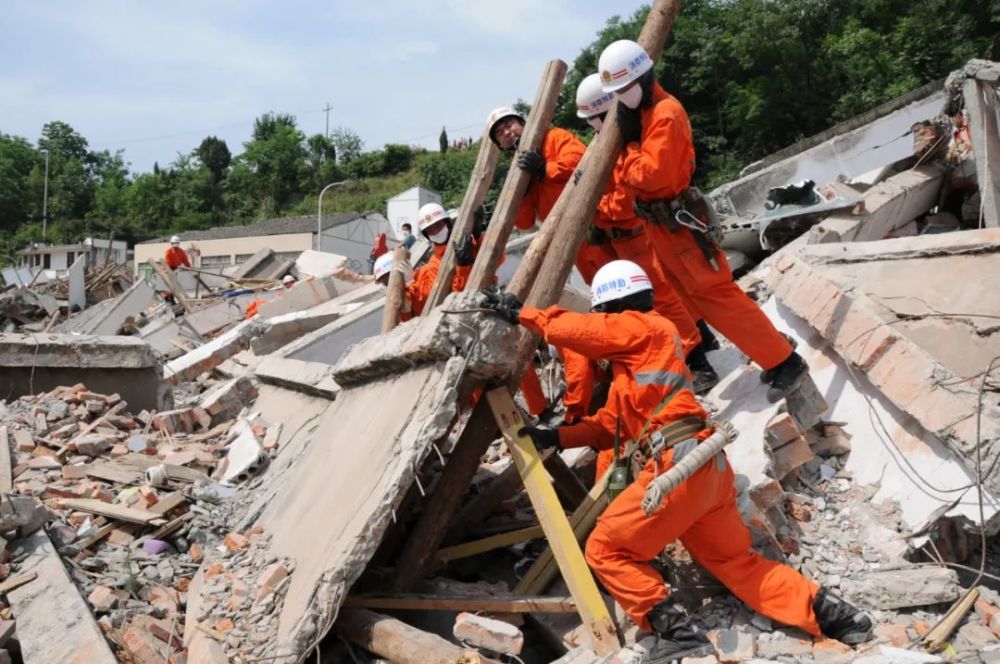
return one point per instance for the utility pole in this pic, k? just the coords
(45, 195)
(327, 109)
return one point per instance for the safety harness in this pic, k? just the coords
(690, 210)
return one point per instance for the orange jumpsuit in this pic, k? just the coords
(660, 167)
(648, 366)
(419, 290)
(174, 257)
(616, 215)
(562, 152)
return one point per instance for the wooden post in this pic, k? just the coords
(495, 239)
(562, 541)
(398, 642)
(396, 294)
(168, 278)
(479, 184)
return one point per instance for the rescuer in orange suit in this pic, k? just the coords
(616, 219)
(435, 225)
(651, 392)
(174, 256)
(551, 169)
(658, 162)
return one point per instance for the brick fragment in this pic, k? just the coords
(781, 430)
(235, 541)
(894, 634)
(23, 439)
(790, 456)
(165, 598)
(196, 552)
(103, 599)
(269, 580)
(142, 646)
(205, 650)
(92, 445)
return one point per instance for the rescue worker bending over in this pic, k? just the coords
(616, 219)
(551, 168)
(651, 388)
(657, 164)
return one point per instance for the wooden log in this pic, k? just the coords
(396, 294)
(479, 185)
(398, 642)
(558, 531)
(469, 603)
(167, 275)
(430, 529)
(499, 489)
(516, 184)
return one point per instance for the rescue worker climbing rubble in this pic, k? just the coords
(174, 256)
(658, 161)
(551, 168)
(651, 394)
(616, 219)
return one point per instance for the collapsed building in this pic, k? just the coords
(205, 487)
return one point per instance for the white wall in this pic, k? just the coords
(355, 240)
(403, 207)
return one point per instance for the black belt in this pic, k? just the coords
(620, 233)
(672, 213)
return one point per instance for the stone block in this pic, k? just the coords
(977, 635)
(777, 644)
(896, 589)
(92, 445)
(182, 420)
(488, 633)
(732, 645)
(23, 440)
(226, 400)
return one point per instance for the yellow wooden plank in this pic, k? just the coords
(592, 609)
(489, 543)
(544, 569)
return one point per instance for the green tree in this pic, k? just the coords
(347, 143)
(276, 155)
(213, 153)
(443, 140)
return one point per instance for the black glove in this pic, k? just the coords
(533, 162)
(542, 438)
(505, 304)
(629, 123)
(596, 236)
(463, 251)
(577, 174)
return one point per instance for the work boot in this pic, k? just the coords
(786, 377)
(703, 375)
(676, 635)
(709, 341)
(839, 620)
(765, 375)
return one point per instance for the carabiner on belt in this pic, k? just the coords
(688, 220)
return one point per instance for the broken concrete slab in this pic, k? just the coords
(261, 259)
(51, 605)
(329, 343)
(308, 293)
(210, 355)
(285, 328)
(78, 284)
(33, 363)
(897, 589)
(312, 263)
(130, 303)
(437, 336)
(313, 378)
(863, 304)
(226, 400)
(887, 207)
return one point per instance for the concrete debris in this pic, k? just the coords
(494, 635)
(896, 589)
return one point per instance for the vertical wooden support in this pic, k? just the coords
(562, 541)
(475, 194)
(396, 294)
(516, 184)
(171, 281)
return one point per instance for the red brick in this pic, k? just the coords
(781, 430)
(166, 598)
(269, 579)
(235, 541)
(790, 456)
(143, 648)
(766, 494)
(103, 599)
(986, 610)
(196, 552)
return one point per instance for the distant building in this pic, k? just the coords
(349, 234)
(403, 207)
(59, 257)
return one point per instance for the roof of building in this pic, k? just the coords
(52, 249)
(282, 226)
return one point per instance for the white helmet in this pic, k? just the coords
(175, 240)
(591, 99)
(616, 280)
(383, 265)
(288, 279)
(497, 116)
(430, 214)
(621, 63)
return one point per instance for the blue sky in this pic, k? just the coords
(154, 79)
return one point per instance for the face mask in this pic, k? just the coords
(596, 122)
(631, 97)
(440, 237)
